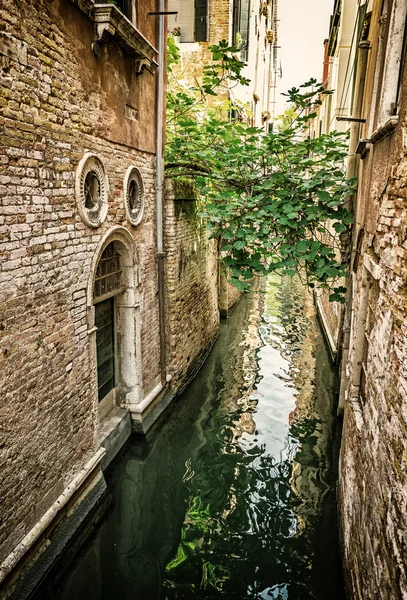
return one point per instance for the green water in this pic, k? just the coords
(233, 495)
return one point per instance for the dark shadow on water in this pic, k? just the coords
(233, 493)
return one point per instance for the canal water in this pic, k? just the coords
(233, 493)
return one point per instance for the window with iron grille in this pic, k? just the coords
(108, 281)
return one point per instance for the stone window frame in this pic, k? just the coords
(389, 65)
(133, 175)
(128, 374)
(91, 165)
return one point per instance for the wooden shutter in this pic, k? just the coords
(244, 26)
(201, 20)
(241, 26)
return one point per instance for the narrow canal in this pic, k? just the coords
(233, 494)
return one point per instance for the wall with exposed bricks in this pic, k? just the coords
(191, 287)
(57, 102)
(373, 469)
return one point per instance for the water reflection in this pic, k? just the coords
(232, 496)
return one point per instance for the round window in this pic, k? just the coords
(91, 187)
(134, 195)
(92, 191)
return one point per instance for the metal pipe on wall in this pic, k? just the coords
(159, 184)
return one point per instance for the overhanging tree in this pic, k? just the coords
(274, 201)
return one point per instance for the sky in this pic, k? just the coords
(303, 26)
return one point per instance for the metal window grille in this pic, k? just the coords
(108, 274)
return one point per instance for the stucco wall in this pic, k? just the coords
(58, 101)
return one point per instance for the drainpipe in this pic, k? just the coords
(159, 184)
(270, 81)
(352, 171)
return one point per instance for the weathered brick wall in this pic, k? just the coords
(191, 287)
(220, 19)
(373, 472)
(228, 295)
(57, 102)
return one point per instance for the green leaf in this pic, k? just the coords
(270, 199)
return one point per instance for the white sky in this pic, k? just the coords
(303, 26)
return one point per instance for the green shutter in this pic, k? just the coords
(241, 25)
(201, 20)
(244, 26)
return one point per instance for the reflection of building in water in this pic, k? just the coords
(294, 331)
(240, 380)
(245, 424)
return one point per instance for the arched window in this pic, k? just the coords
(108, 284)
(108, 274)
(113, 318)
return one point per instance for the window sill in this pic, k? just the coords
(384, 130)
(110, 22)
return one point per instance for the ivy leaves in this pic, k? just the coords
(274, 201)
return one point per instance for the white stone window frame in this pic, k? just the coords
(91, 163)
(133, 174)
(388, 116)
(128, 361)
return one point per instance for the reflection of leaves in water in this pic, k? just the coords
(216, 505)
(249, 511)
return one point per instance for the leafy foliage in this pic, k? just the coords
(274, 201)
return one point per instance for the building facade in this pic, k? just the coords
(337, 76)
(251, 27)
(370, 334)
(80, 332)
(373, 482)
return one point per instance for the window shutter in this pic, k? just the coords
(244, 26)
(201, 20)
(241, 25)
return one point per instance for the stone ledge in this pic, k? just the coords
(114, 431)
(145, 413)
(111, 22)
(33, 557)
(384, 130)
(329, 336)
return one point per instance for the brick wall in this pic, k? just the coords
(220, 18)
(57, 102)
(191, 287)
(373, 471)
